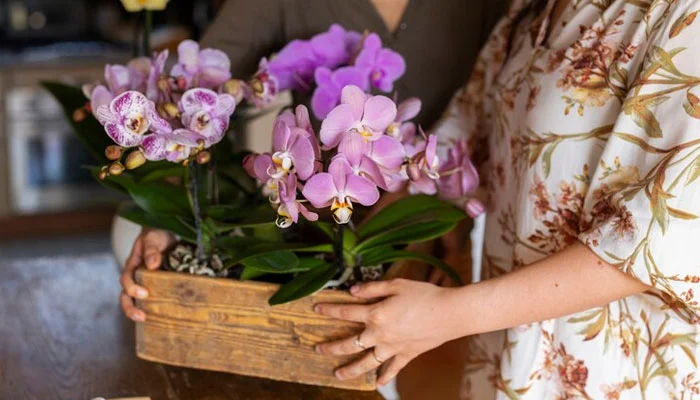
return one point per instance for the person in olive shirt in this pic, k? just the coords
(439, 39)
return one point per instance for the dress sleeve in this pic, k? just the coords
(642, 209)
(246, 30)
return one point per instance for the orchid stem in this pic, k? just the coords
(148, 28)
(197, 211)
(339, 247)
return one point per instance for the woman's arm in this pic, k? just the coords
(415, 317)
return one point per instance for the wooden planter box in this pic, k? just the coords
(226, 325)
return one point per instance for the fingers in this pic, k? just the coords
(391, 369)
(347, 312)
(372, 290)
(346, 346)
(367, 363)
(155, 242)
(127, 277)
(130, 310)
(136, 257)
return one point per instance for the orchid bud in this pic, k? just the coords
(113, 152)
(249, 164)
(474, 208)
(102, 175)
(171, 111)
(164, 85)
(135, 159)
(116, 168)
(203, 157)
(79, 115)
(413, 172)
(234, 87)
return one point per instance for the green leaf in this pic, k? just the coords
(239, 248)
(410, 211)
(547, 158)
(304, 284)
(419, 232)
(325, 227)
(386, 255)
(161, 198)
(89, 131)
(173, 170)
(245, 217)
(274, 263)
(278, 262)
(135, 214)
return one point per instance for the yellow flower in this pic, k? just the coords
(138, 5)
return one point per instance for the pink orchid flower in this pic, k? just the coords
(373, 160)
(357, 114)
(176, 146)
(207, 68)
(423, 168)
(300, 119)
(207, 113)
(261, 167)
(329, 85)
(339, 188)
(458, 176)
(129, 117)
(406, 111)
(290, 208)
(293, 148)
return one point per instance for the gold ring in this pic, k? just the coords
(374, 354)
(359, 344)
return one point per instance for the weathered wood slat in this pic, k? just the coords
(227, 325)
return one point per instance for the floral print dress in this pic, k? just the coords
(592, 133)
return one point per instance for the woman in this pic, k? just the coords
(589, 111)
(429, 34)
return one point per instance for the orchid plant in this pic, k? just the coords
(164, 144)
(370, 146)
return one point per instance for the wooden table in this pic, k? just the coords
(62, 337)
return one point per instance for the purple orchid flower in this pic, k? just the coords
(357, 114)
(330, 48)
(290, 208)
(293, 67)
(300, 119)
(292, 148)
(261, 167)
(329, 85)
(339, 188)
(176, 146)
(206, 68)
(141, 74)
(129, 117)
(384, 65)
(458, 176)
(207, 113)
(263, 87)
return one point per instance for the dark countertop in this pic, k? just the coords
(62, 336)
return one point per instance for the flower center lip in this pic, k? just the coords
(202, 120)
(136, 124)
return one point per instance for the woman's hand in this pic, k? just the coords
(414, 317)
(147, 251)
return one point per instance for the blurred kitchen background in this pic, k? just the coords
(43, 190)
